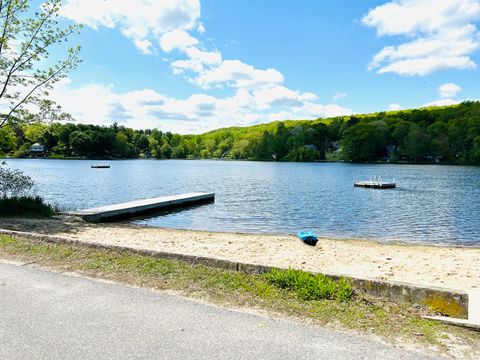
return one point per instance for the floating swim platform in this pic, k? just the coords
(100, 166)
(132, 208)
(375, 184)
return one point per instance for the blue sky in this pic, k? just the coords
(190, 66)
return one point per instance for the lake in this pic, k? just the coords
(431, 204)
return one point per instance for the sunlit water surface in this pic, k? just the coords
(431, 204)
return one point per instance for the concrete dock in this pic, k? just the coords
(137, 207)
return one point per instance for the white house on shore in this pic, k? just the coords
(37, 149)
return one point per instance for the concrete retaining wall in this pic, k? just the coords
(445, 301)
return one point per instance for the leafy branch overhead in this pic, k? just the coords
(27, 38)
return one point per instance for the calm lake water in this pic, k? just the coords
(431, 204)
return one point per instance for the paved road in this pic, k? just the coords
(47, 315)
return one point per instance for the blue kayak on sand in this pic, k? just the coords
(308, 237)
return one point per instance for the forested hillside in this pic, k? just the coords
(438, 134)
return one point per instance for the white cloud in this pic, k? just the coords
(394, 107)
(402, 17)
(177, 39)
(237, 74)
(180, 66)
(442, 102)
(144, 45)
(428, 65)
(340, 95)
(201, 28)
(206, 57)
(146, 108)
(138, 20)
(313, 110)
(207, 69)
(441, 35)
(449, 90)
(254, 95)
(267, 97)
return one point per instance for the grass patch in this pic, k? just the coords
(287, 292)
(30, 206)
(311, 286)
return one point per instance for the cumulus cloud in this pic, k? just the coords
(250, 95)
(146, 108)
(177, 39)
(340, 95)
(142, 21)
(442, 102)
(449, 90)
(440, 34)
(446, 92)
(267, 97)
(237, 74)
(394, 107)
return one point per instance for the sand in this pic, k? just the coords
(441, 266)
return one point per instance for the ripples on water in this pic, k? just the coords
(431, 204)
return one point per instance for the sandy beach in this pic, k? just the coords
(441, 266)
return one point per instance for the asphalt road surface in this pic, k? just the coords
(48, 315)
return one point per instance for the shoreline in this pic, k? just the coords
(247, 160)
(450, 267)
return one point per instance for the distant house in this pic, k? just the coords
(37, 150)
(310, 147)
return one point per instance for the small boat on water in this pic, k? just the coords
(308, 237)
(100, 166)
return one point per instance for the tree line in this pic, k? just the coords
(439, 134)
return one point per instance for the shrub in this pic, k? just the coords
(311, 286)
(13, 183)
(26, 206)
(15, 198)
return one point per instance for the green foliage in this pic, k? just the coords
(364, 141)
(309, 286)
(303, 153)
(27, 67)
(442, 134)
(14, 199)
(8, 140)
(13, 183)
(25, 206)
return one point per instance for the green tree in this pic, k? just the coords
(438, 133)
(364, 142)
(81, 142)
(417, 143)
(27, 37)
(122, 148)
(8, 141)
(279, 141)
(166, 150)
(476, 150)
